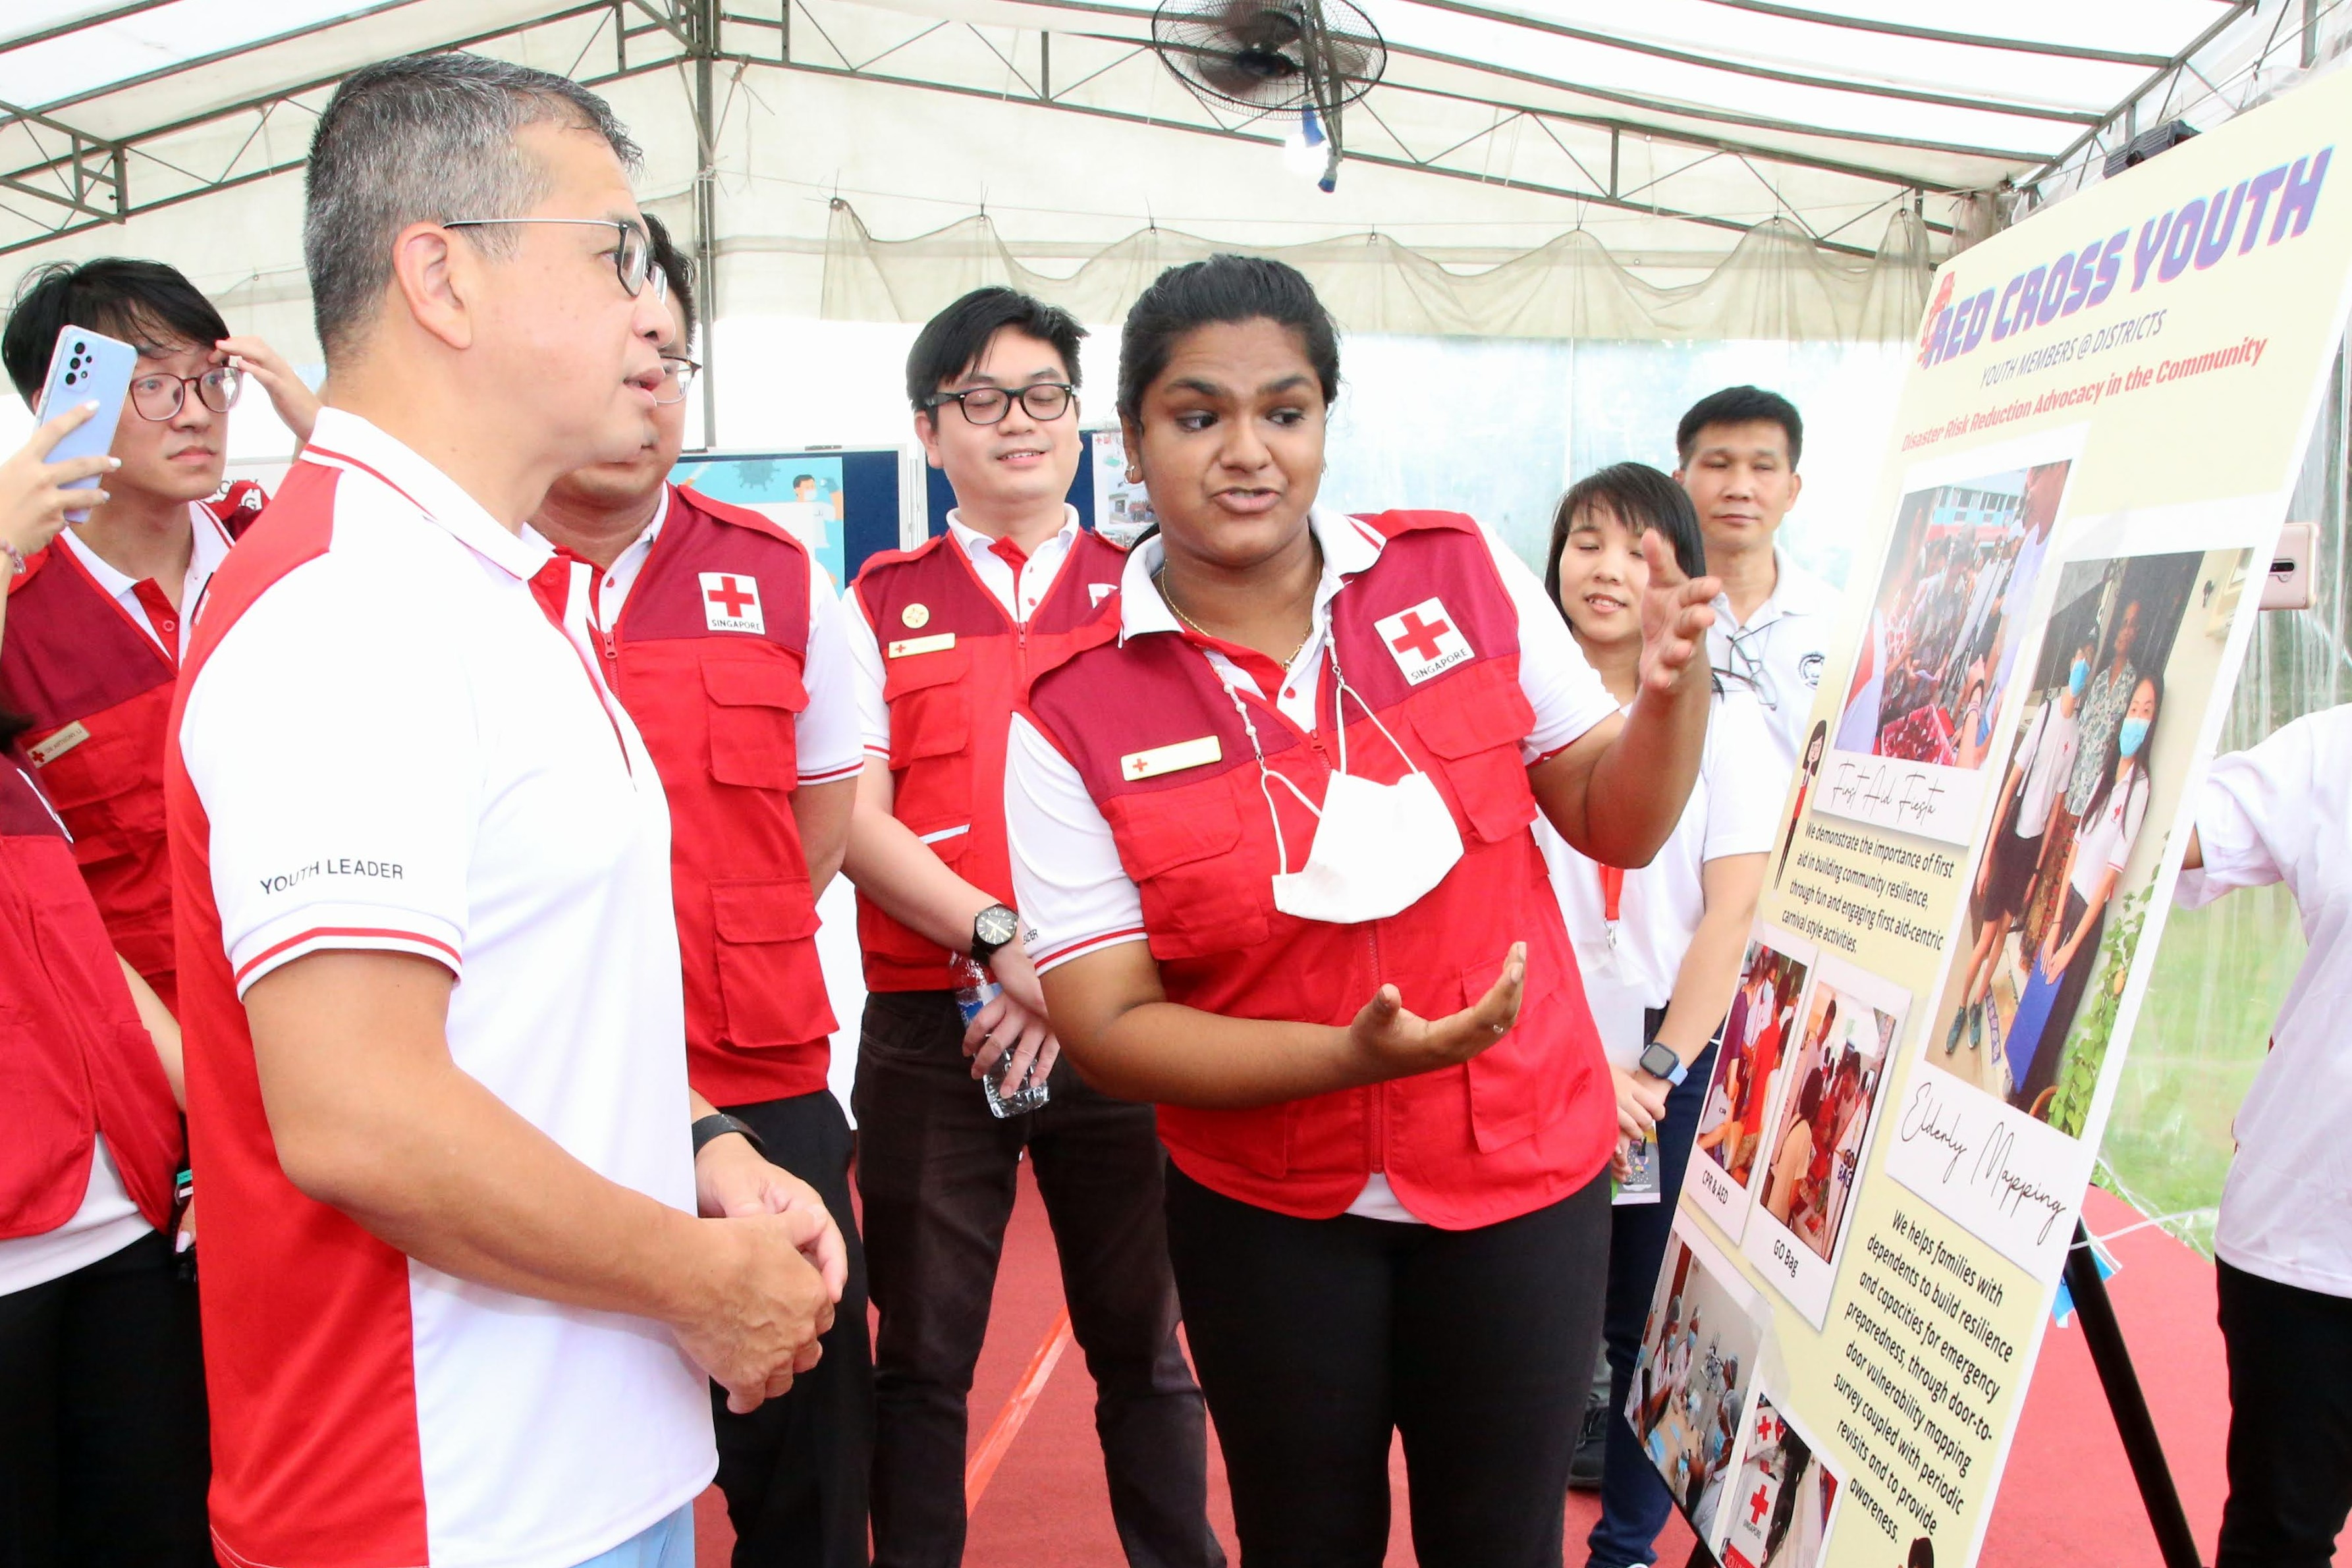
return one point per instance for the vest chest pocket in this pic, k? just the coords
(1474, 723)
(753, 705)
(930, 720)
(1199, 895)
(769, 979)
(110, 796)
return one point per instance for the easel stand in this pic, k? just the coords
(2096, 1313)
(2138, 1429)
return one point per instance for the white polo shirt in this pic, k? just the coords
(391, 747)
(1020, 593)
(1068, 882)
(2281, 813)
(1780, 650)
(165, 627)
(1659, 905)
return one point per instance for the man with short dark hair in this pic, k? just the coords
(944, 636)
(1737, 453)
(723, 640)
(102, 613)
(458, 1308)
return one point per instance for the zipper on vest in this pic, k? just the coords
(1376, 1120)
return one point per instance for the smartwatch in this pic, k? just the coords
(992, 928)
(719, 1125)
(1659, 1060)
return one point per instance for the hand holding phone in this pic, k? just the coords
(87, 367)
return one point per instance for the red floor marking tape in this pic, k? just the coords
(992, 1449)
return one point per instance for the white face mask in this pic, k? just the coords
(1379, 848)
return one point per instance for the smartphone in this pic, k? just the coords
(87, 367)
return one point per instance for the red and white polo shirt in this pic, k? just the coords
(385, 743)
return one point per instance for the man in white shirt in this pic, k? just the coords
(1738, 451)
(457, 1304)
(2282, 1248)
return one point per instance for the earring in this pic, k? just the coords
(1134, 475)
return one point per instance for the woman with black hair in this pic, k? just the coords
(2104, 839)
(102, 1429)
(1270, 822)
(1658, 948)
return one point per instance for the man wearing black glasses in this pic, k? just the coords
(1738, 451)
(723, 640)
(102, 614)
(944, 637)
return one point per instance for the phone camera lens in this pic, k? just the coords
(81, 348)
(71, 378)
(74, 363)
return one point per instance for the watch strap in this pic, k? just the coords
(718, 1125)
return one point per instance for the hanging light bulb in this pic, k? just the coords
(1306, 151)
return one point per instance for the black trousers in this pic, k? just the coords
(938, 1174)
(104, 1447)
(2290, 1422)
(1316, 1338)
(794, 1470)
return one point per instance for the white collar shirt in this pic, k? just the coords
(1780, 649)
(2280, 813)
(208, 546)
(393, 747)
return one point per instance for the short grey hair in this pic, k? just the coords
(424, 139)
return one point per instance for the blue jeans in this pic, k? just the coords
(1634, 1501)
(668, 1544)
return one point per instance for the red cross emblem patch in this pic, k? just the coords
(1424, 641)
(730, 602)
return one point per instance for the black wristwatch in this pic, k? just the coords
(1659, 1060)
(718, 1125)
(992, 928)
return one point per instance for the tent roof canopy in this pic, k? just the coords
(1697, 115)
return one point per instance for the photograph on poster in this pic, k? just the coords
(1761, 1025)
(1825, 1102)
(1122, 507)
(1964, 564)
(1694, 1372)
(800, 490)
(2056, 905)
(1780, 1501)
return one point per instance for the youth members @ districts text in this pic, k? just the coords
(1270, 819)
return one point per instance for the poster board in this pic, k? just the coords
(2094, 452)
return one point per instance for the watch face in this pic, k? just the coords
(995, 925)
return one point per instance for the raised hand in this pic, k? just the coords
(296, 404)
(34, 500)
(1400, 1042)
(1677, 612)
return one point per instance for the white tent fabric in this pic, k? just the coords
(1589, 154)
(1775, 284)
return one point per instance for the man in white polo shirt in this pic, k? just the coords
(455, 1292)
(1738, 451)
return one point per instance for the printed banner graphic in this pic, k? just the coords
(2092, 452)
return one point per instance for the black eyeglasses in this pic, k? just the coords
(989, 405)
(677, 374)
(161, 396)
(632, 254)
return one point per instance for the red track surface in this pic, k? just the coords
(2068, 1498)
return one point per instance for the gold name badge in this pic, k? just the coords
(940, 644)
(48, 748)
(1173, 759)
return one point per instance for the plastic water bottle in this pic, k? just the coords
(975, 988)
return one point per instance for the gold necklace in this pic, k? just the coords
(1159, 581)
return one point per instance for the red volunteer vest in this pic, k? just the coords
(1522, 1124)
(955, 664)
(706, 657)
(75, 1061)
(98, 692)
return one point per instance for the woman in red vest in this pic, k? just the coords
(1270, 821)
(102, 1432)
